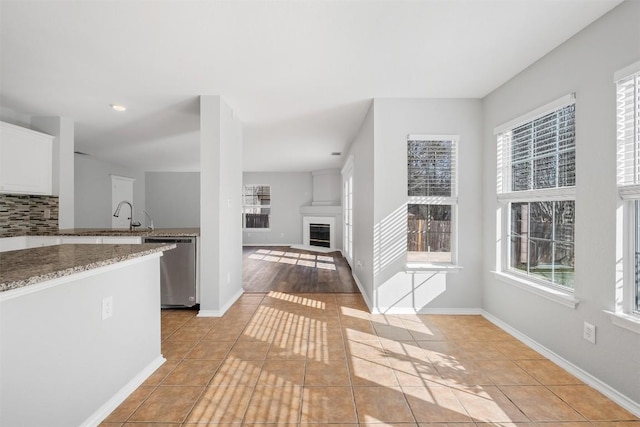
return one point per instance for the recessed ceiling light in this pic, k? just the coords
(118, 107)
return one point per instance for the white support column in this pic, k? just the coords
(209, 204)
(220, 206)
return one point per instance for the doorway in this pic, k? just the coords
(121, 189)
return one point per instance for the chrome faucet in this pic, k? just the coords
(132, 223)
(150, 226)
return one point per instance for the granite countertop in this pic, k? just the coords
(142, 232)
(30, 266)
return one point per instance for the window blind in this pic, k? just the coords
(628, 130)
(431, 166)
(539, 154)
(256, 195)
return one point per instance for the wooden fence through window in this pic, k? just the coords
(426, 235)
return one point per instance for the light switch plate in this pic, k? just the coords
(589, 332)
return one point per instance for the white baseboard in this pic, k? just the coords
(410, 310)
(365, 297)
(110, 405)
(223, 309)
(584, 376)
(268, 244)
(451, 311)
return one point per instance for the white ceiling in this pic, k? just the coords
(299, 74)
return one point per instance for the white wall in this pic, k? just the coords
(585, 64)
(289, 191)
(14, 117)
(361, 150)
(327, 187)
(93, 191)
(220, 206)
(173, 198)
(394, 120)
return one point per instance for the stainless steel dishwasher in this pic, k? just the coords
(177, 271)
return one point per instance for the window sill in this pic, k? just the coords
(418, 267)
(556, 295)
(257, 230)
(627, 321)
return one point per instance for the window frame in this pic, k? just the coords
(245, 206)
(627, 306)
(438, 200)
(506, 197)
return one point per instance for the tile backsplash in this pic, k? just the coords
(21, 215)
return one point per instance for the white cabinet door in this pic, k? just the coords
(81, 240)
(13, 243)
(121, 240)
(109, 240)
(39, 241)
(25, 160)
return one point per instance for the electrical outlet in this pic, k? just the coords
(47, 213)
(107, 307)
(589, 332)
(228, 278)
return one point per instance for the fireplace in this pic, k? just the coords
(318, 231)
(320, 235)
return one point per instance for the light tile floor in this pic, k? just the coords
(322, 359)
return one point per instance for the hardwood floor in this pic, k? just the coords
(283, 269)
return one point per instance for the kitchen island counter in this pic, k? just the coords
(30, 266)
(79, 330)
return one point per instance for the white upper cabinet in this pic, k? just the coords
(25, 160)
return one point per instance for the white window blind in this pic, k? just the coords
(431, 167)
(539, 154)
(628, 129)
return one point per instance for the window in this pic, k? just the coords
(347, 182)
(628, 170)
(536, 191)
(432, 199)
(256, 209)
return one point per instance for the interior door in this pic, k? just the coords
(121, 189)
